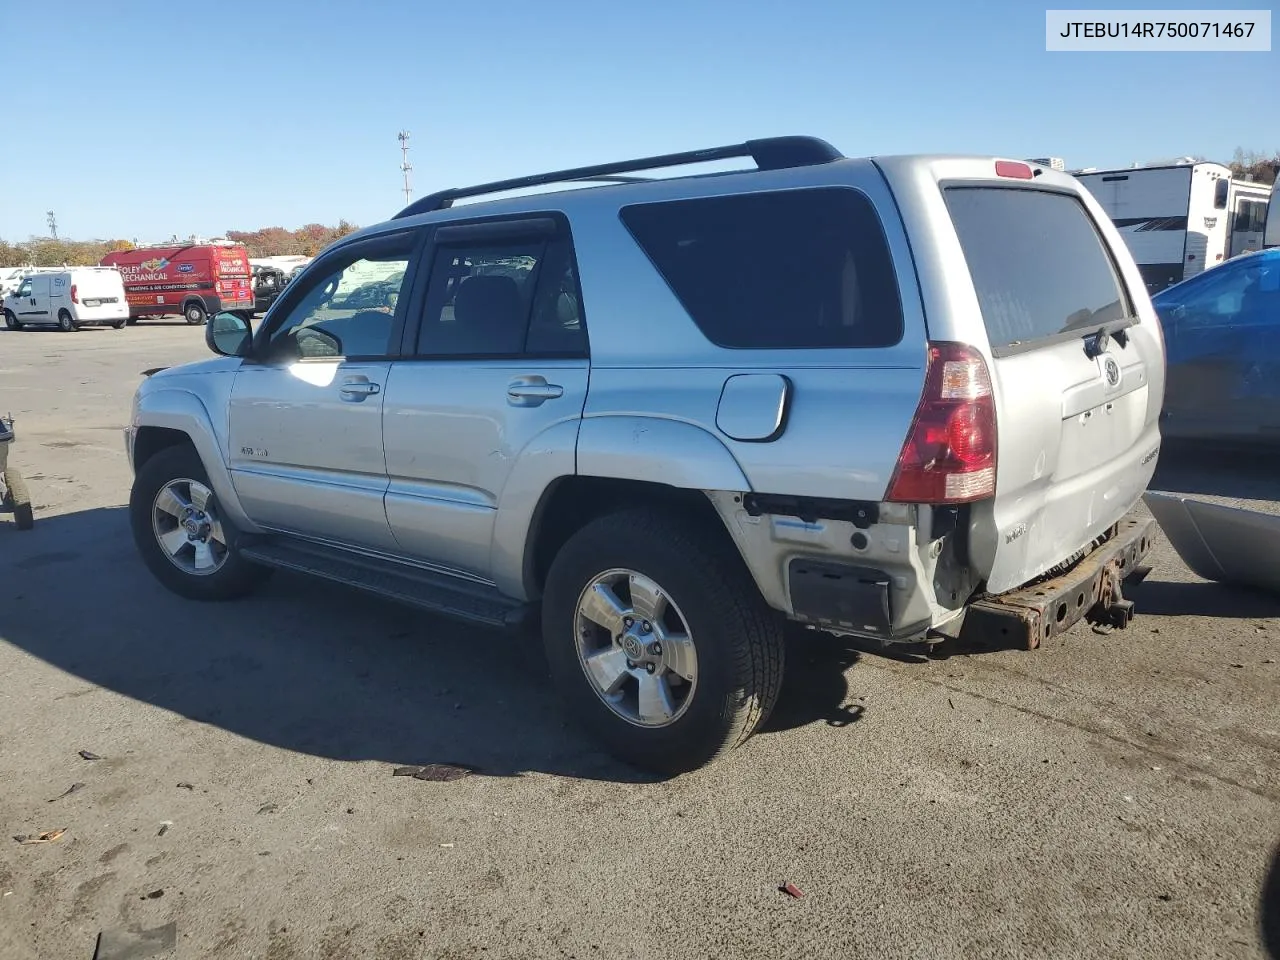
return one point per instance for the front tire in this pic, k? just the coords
(11, 321)
(659, 640)
(195, 314)
(66, 322)
(184, 539)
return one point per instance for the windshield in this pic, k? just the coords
(1037, 261)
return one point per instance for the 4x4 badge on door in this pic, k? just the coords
(1112, 370)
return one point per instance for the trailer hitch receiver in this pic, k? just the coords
(1091, 591)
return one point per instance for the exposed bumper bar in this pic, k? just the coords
(1089, 590)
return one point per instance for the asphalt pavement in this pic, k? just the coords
(1104, 796)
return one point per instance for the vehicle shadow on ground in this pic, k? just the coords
(314, 668)
(1201, 599)
(1270, 909)
(814, 689)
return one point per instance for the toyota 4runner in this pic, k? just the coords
(894, 398)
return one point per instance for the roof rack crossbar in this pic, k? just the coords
(771, 153)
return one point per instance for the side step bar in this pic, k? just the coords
(1091, 590)
(435, 592)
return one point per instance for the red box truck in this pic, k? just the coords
(194, 281)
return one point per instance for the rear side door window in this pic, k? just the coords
(495, 298)
(781, 270)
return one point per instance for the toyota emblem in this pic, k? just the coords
(1113, 371)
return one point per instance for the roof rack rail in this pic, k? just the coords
(770, 153)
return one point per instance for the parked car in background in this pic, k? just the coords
(1222, 336)
(11, 277)
(193, 281)
(68, 299)
(886, 397)
(267, 284)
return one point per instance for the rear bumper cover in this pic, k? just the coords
(1090, 590)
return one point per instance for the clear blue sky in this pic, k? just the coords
(144, 119)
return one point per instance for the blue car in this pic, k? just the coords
(1222, 341)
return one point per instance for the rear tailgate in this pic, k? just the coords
(1032, 272)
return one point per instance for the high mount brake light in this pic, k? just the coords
(950, 452)
(1008, 168)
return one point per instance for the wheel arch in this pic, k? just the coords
(201, 301)
(571, 502)
(165, 418)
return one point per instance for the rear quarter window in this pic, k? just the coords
(791, 269)
(1038, 263)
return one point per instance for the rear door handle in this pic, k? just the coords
(357, 388)
(532, 391)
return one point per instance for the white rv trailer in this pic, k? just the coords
(1180, 218)
(1271, 232)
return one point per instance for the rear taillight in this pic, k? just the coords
(950, 453)
(74, 298)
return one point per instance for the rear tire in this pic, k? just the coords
(11, 321)
(118, 324)
(732, 639)
(173, 477)
(66, 322)
(195, 314)
(19, 499)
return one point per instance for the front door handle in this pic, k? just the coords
(532, 391)
(356, 389)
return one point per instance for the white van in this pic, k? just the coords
(68, 299)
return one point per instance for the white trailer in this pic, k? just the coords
(1182, 218)
(1271, 232)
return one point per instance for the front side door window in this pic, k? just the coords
(349, 312)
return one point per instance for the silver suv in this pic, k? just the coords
(895, 398)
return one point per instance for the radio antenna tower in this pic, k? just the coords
(405, 165)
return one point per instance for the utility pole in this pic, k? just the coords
(53, 224)
(405, 166)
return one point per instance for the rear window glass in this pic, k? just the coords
(1037, 262)
(787, 270)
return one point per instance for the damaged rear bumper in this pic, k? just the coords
(1090, 590)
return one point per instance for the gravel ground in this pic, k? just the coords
(1104, 796)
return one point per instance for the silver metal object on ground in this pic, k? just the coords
(1229, 545)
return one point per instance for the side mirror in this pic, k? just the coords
(229, 334)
